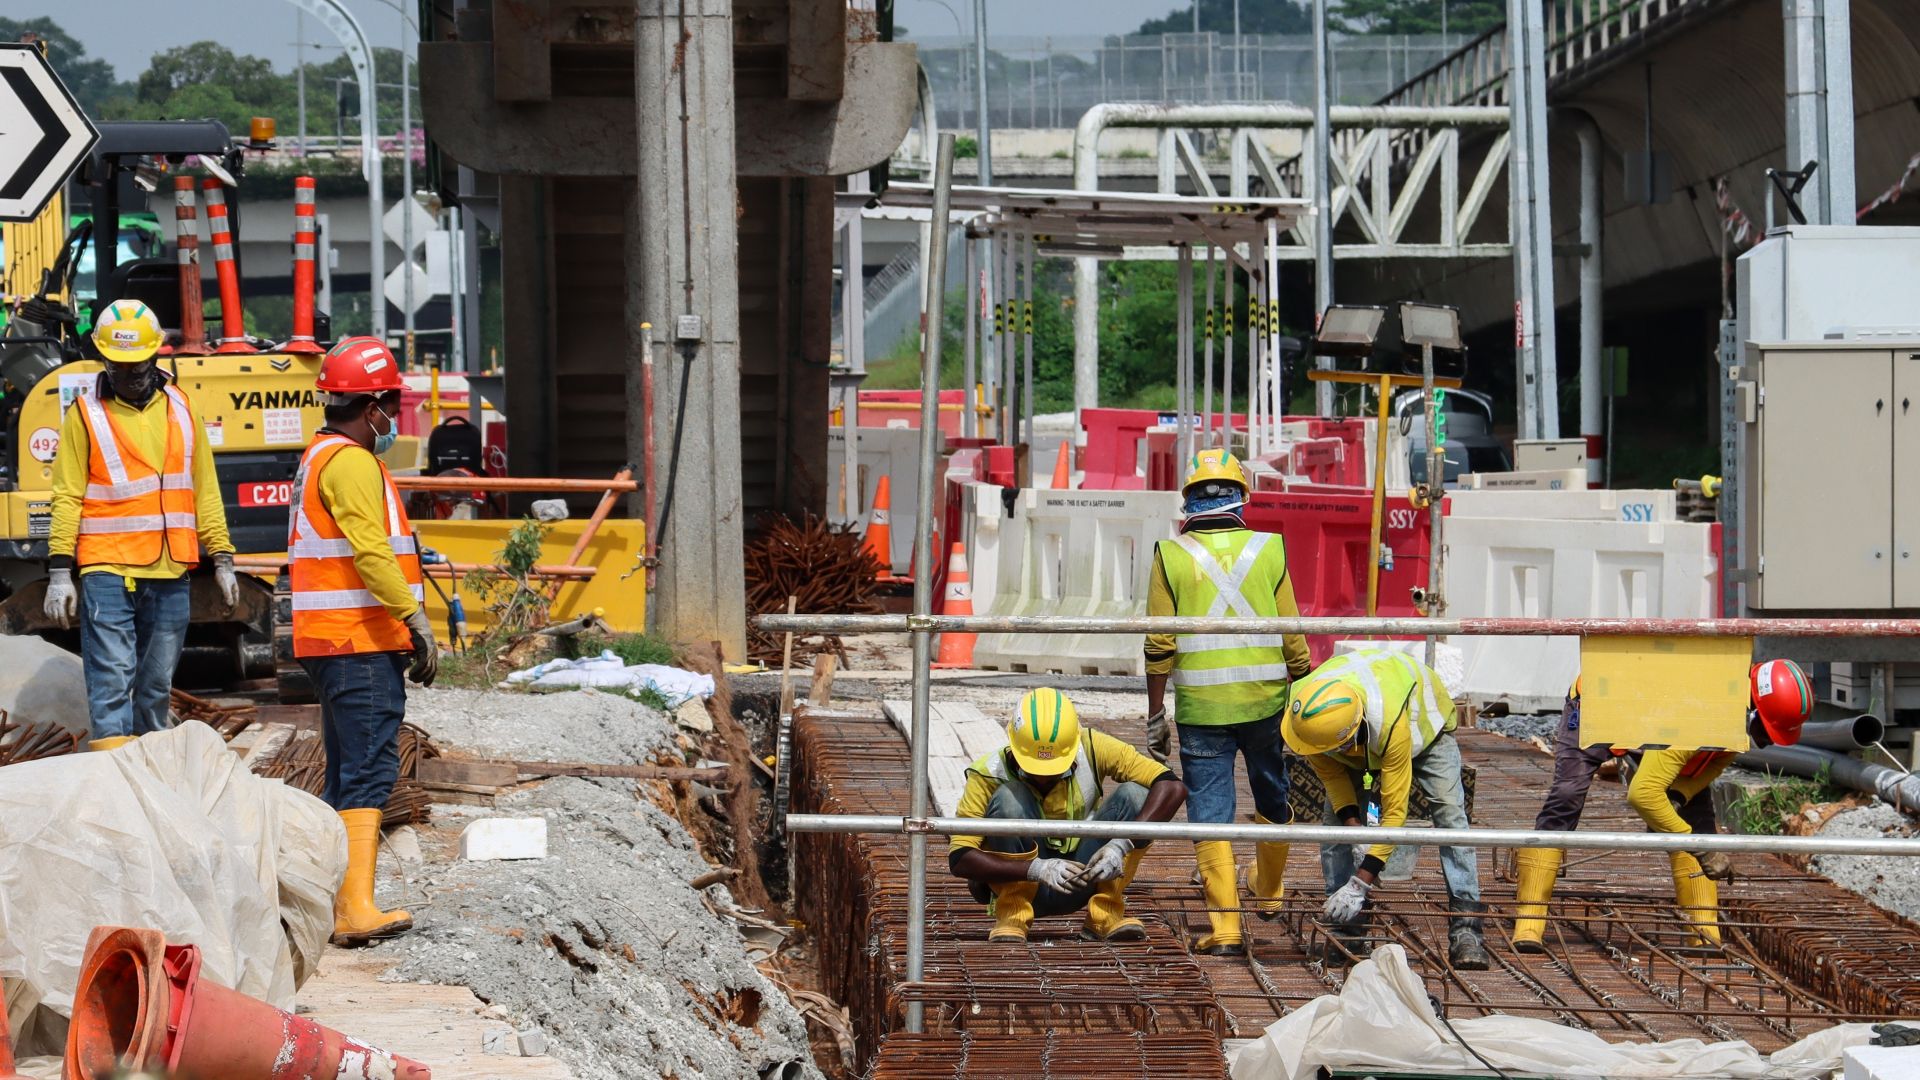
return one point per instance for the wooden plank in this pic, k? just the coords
(442, 771)
(821, 692)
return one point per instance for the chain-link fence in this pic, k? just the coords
(1050, 82)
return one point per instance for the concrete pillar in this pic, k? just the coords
(683, 273)
(1531, 221)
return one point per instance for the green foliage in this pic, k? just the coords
(652, 699)
(517, 605)
(1762, 811)
(630, 648)
(965, 146)
(1256, 17)
(1464, 17)
(90, 80)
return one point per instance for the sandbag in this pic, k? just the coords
(1382, 1019)
(169, 832)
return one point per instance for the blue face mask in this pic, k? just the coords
(384, 443)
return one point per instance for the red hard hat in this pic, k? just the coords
(359, 365)
(1783, 698)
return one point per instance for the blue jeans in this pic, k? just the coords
(1206, 764)
(363, 698)
(1016, 800)
(1437, 772)
(130, 643)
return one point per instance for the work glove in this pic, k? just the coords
(1895, 1035)
(426, 652)
(1346, 904)
(1060, 875)
(1107, 864)
(1716, 865)
(1159, 736)
(61, 600)
(223, 576)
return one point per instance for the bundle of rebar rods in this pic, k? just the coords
(302, 764)
(31, 742)
(228, 720)
(822, 566)
(1054, 1055)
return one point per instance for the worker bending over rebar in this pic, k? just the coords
(1382, 712)
(1054, 768)
(1671, 789)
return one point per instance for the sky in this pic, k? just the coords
(267, 27)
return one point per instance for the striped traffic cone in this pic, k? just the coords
(879, 539)
(233, 319)
(956, 649)
(193, 327)
(1063, 466)
(306, 238)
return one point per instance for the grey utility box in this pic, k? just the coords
(1832, 506)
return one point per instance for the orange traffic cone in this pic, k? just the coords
(879, 539)
(1063, 466)
(956, 649)
(142, 1004)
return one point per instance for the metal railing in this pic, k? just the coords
(918, 824)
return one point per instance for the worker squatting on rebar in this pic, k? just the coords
(1053, 768)
(1670, 789)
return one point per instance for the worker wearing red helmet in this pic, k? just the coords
(359, 627)
(1671, 791)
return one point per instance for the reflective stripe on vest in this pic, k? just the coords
(334, 612)
(1082, 799)
(133, 511)
(1390, 678)
(1226, 678)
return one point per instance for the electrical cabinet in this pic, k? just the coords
(1834, 505)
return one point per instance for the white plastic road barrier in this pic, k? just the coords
(1543, 480)
(988, 533)
(1507, 567)
(884, 451)
(1081, 553)
(1578, 504)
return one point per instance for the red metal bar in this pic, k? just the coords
(233, 319)
(306, 238)
(193, 325)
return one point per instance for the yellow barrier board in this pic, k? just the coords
(1664, 691)
(619, 587)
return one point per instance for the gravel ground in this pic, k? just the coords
(603, 944)
(1540, 726)
(1891, 883)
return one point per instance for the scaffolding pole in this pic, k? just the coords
(1343, 626)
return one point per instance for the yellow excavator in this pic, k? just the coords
(257, 407)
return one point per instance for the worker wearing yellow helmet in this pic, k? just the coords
(1229, 690)
(1053, 767)
(1378, 711)
(135, 500)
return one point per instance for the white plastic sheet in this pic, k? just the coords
(170, 832)
(1382, 1019)
(608, 672)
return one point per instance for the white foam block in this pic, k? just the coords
(504, 838)
(1882, 1063)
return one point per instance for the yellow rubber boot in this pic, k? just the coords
(1107, 918)
(110, 742)
(1013, 904)
(1268, 880)
(1537, 868)
(1698, 896)
(1222, 893)
(356, 918)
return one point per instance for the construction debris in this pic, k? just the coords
(504, 838)
(820, 567)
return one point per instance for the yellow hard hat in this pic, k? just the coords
(1044, 733)
(1325, 715)
(127, 332)
(1215, 465)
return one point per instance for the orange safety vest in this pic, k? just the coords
(131, 508)
(333, 613)
(1702, 760)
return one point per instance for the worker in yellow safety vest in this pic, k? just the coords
(1054, 768)
(135, 499)
(1382, 712)
(358, 621)
(1671, 789)
(1229, 690)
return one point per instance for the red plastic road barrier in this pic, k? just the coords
(142, 1004)
(1111, 461)
(1327, 540)
(884, 408)
(306, 237)
(233, 320)
(193, 326)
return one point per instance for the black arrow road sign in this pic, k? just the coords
(43, 134)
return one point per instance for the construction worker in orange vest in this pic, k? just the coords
(135, 499)
(359, 627)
